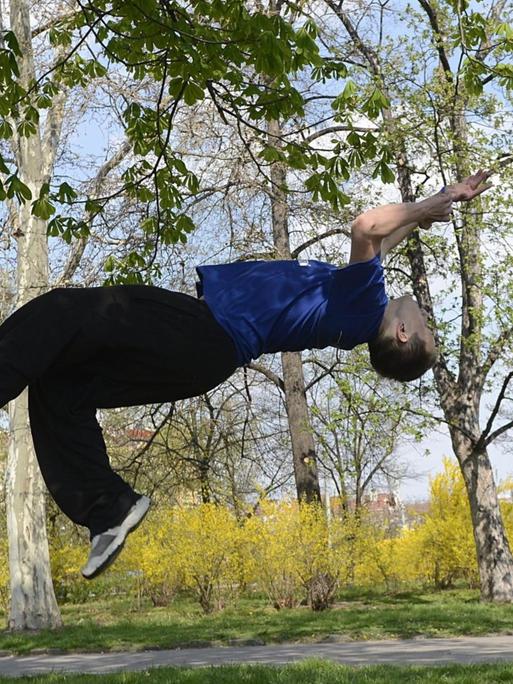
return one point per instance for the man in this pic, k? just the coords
(78, 350)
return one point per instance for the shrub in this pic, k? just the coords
(296, 552)
(209, 554)
(149, 559)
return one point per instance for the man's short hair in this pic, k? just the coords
(401, 361)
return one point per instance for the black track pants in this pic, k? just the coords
(83, 349)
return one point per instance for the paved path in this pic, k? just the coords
(406, 652)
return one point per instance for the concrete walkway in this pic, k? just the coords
(407, 652)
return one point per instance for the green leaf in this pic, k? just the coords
(42, 208)
(93, 206)
(271, 154)
(5, 130)
(296, 158)
(26, 129)
(184, 224)
(15, 188)
(12, 42)
(192, 93)
(66, 194)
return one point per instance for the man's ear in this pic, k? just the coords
(401, 333)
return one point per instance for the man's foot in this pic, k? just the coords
(106, 547)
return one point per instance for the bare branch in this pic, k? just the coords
(318, 238)
(498, 432)
(484, 441)
(337, 129)
(268, 374)
(54, 21)
(79, 246)
(433, 20)
(366, 51)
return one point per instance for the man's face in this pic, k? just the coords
(417, 320)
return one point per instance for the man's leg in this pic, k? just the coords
(73, 459)
(137, 346)
(33, 337)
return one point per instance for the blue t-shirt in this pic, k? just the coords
(271, 306)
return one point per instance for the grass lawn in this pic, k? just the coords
(309, 672)
(115, 624)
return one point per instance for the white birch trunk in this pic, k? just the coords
(33, 604)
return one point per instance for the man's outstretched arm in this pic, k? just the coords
(381, 229)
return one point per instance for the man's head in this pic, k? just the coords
(404, 348)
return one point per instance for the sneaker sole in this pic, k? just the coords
(129, 525)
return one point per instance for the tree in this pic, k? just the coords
(360, 420)
(436, 104)
(33, 603)
(189, 55)
(26, 172)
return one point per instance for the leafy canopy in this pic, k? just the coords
(243, 59)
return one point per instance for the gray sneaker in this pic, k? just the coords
(106, 547)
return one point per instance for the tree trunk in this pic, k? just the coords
(494, 558)
(303, 447)
(301, 434)
(33, 604)
(460, 401)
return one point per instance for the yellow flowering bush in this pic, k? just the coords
(439, 550)
(4, 576)
(150, 558)
(376, 564)
(209, 553)
(296, 553)
(272, 537)
(66, 559)
(446, 539)
(288, 551)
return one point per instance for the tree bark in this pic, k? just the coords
(33, 604)
(301, 433)
(493, 552)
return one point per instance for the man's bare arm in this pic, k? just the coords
(382, 228)
(372, 227)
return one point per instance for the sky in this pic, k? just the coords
(427, 466)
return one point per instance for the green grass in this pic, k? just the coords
(308, 672)
(114, 624)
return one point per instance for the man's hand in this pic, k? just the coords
(435, 208)
(470, 187)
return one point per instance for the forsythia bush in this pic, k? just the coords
(150, 559)
(295, 552)
(4, 576)
(210, 554)
(198, 549)
(291, 553)
(66, 559)
(446, 539)
(438, 551)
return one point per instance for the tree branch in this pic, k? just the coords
(483, 440)
(79, 246)
(268, 374)
(493, 353)
(336, 129)
(433, 20)
(55, 21)
(318, 238)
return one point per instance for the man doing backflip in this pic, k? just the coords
(79, 350)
